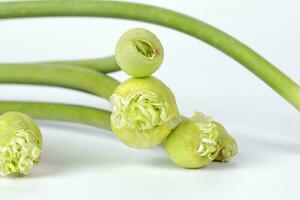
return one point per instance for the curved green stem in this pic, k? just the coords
(105, 65)
(282, 84)
(60, 75)
(60, 112)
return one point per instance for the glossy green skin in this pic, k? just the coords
(131, 60)
(156, 135)
(183, 143)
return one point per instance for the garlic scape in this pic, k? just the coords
(139, 52)
(20, 144)
(198, 29)
(196, 142)
(144, 112)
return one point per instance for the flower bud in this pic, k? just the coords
(139, 52)
(189, 146)
(196, 142)
(20, 144)
(144, 112)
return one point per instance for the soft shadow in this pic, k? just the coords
(85, 147)
(284, 144)
(264, 148)
(160, 162)
(61, 156)
(85, 150)
(78, 152)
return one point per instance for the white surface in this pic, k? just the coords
(80, 162)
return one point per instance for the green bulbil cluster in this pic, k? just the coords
(144, 109)
(145, 114)
(20, 144)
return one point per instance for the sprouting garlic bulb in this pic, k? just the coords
(139, 52)
(144, 112)
(196, 142)
(20, 144)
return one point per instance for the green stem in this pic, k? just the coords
(60, 75)
(60, 112)
(105, 65)
(282, 84)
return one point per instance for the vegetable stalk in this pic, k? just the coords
(105, 65)
(60, 112)
(255, 63)
(60, 75)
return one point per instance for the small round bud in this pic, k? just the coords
(139, 52)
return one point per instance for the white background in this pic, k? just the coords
(80, 162)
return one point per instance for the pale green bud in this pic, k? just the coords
(196, 142)
(139, 52)
(144, 112)
(20, 144)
